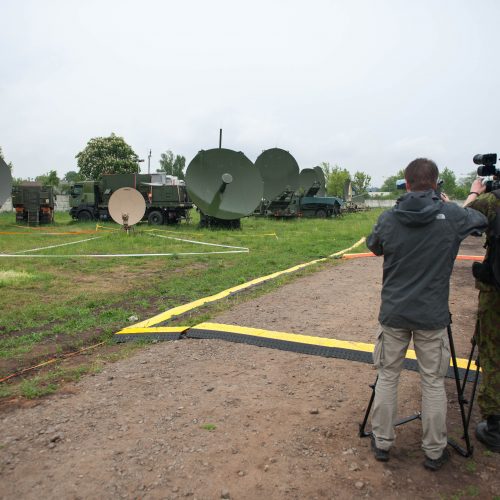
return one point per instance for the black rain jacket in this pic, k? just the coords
(419, 239)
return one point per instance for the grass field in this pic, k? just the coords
(52, 305)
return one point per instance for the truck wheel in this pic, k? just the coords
(84, 216)
(155, 218)
(336, 210)
(321, 213)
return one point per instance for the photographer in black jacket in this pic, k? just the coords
(419, 239)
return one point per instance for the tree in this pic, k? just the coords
(389, 184)
(107, 155)
(463, 187)
(361, 182)
(335, 179)
(49, 179)
(449, 179)
(3, 158)
(172, 165)
(72, 176)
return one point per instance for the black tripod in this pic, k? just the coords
(462, 400)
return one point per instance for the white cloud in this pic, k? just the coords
(367, 85)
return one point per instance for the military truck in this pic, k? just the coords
(295, 204)
(33, 203)
(166, 198)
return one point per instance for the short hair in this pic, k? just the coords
(422, 174)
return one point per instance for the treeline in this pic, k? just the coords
(457, 189)
(336, 178)
(105, 155)
(111, 155)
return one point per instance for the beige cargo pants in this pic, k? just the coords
(433, 356)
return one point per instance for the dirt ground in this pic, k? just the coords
(209, 419)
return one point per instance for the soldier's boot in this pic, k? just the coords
(488, 432)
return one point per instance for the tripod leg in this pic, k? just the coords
(469, 362)
(362, 432)
(468, 451)
(473, 393)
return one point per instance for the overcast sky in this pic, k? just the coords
(368, 85)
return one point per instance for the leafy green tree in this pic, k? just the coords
(172, 164)
(3, 158)
(449, 182)
(335, 179)
(389, 184)
(72, 176)
(463, 187)
(107, 155)
(49, 179)
(361, 182)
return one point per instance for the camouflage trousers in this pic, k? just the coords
(488, 341)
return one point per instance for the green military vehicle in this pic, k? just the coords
(295, 204)
(167, 201)
(33, 203)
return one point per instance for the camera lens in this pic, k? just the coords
(485, 170)
(478, 160)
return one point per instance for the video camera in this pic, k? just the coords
(488, 168)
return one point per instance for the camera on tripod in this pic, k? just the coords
(488, 168)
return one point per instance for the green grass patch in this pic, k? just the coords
(471, 466)
(10, 277)
(209, 427)
(34, 388)
(73, 301)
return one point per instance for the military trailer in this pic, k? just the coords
(33, 203)
(167, 201)
(279, 207)
(295, 204)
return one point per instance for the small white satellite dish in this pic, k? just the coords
(126, 207)
(5, 182)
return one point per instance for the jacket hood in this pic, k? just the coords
(418, 208)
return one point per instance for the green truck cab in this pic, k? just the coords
(33, 203)
(166, 198)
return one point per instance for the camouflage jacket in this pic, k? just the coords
(487, 204)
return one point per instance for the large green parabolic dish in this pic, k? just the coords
(279, 171)
(321, 179)
(5, 182)
(224, 183)
(307, 178)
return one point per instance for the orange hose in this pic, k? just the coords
(357, 255)
(470, 257)
(48, 362)
(459, 257)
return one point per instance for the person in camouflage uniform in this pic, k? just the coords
(488, 333)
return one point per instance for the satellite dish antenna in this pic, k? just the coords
(224, 184)
(5, 182)
(308, 178)
(279, 171)
(321, 179)
(126, 207)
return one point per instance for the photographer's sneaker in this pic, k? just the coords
(380, 455)
(436, 463)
